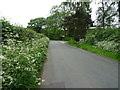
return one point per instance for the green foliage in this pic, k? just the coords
(97, 50)
(106, 14)
(77, 23)
(53, 25)
(68, 38)
(108, 45)
(71, 42)
(103, 42)
(23, 52)
(36, 24)
(6, 29)
(54, 33)
(25, 34)
(69, 19)
(106, 39)
(100, 35)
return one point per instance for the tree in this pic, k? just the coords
(53, 27)
(119, 12)
(78, 23)
(106, 14)
(65, 19)
(36, 24)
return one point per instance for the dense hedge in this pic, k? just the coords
(103, 35)
(105, 39)
(103, 42)
(23, 52)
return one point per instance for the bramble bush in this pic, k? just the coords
(23, 52)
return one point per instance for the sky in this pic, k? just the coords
(21, 11)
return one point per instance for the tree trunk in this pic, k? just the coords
(119, 12)
(103, 22)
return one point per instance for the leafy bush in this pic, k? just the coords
(108, 45)
(102, 35)
(103, 42)
(23, 52)
(82, 41)
(53, 32)
(106, 39)
(67, 38)
(6, 29)
(90, 39)
(71, 41)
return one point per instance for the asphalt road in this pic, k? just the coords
(71, 67)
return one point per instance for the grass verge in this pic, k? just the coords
(94, 49)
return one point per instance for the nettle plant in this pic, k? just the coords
(23, 52)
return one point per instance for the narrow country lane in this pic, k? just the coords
(71, 67)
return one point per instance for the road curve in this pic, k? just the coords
(71, 67)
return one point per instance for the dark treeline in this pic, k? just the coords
(71, 20)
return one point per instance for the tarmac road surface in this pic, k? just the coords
(71, 67)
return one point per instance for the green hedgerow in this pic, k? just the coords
(23, 52)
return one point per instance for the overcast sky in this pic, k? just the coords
(21, 11)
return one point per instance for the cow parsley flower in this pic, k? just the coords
(2, 57)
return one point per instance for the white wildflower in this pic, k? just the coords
(39, 78)
(9, 77)
(33, 60)
(17, 35)
(39, 83)
(2, 57)
(43, 80)
(26, 68)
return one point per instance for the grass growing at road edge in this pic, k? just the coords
(94, 49)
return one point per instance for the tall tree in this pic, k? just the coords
(78, 22)
(106, 14)
(119, 12)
